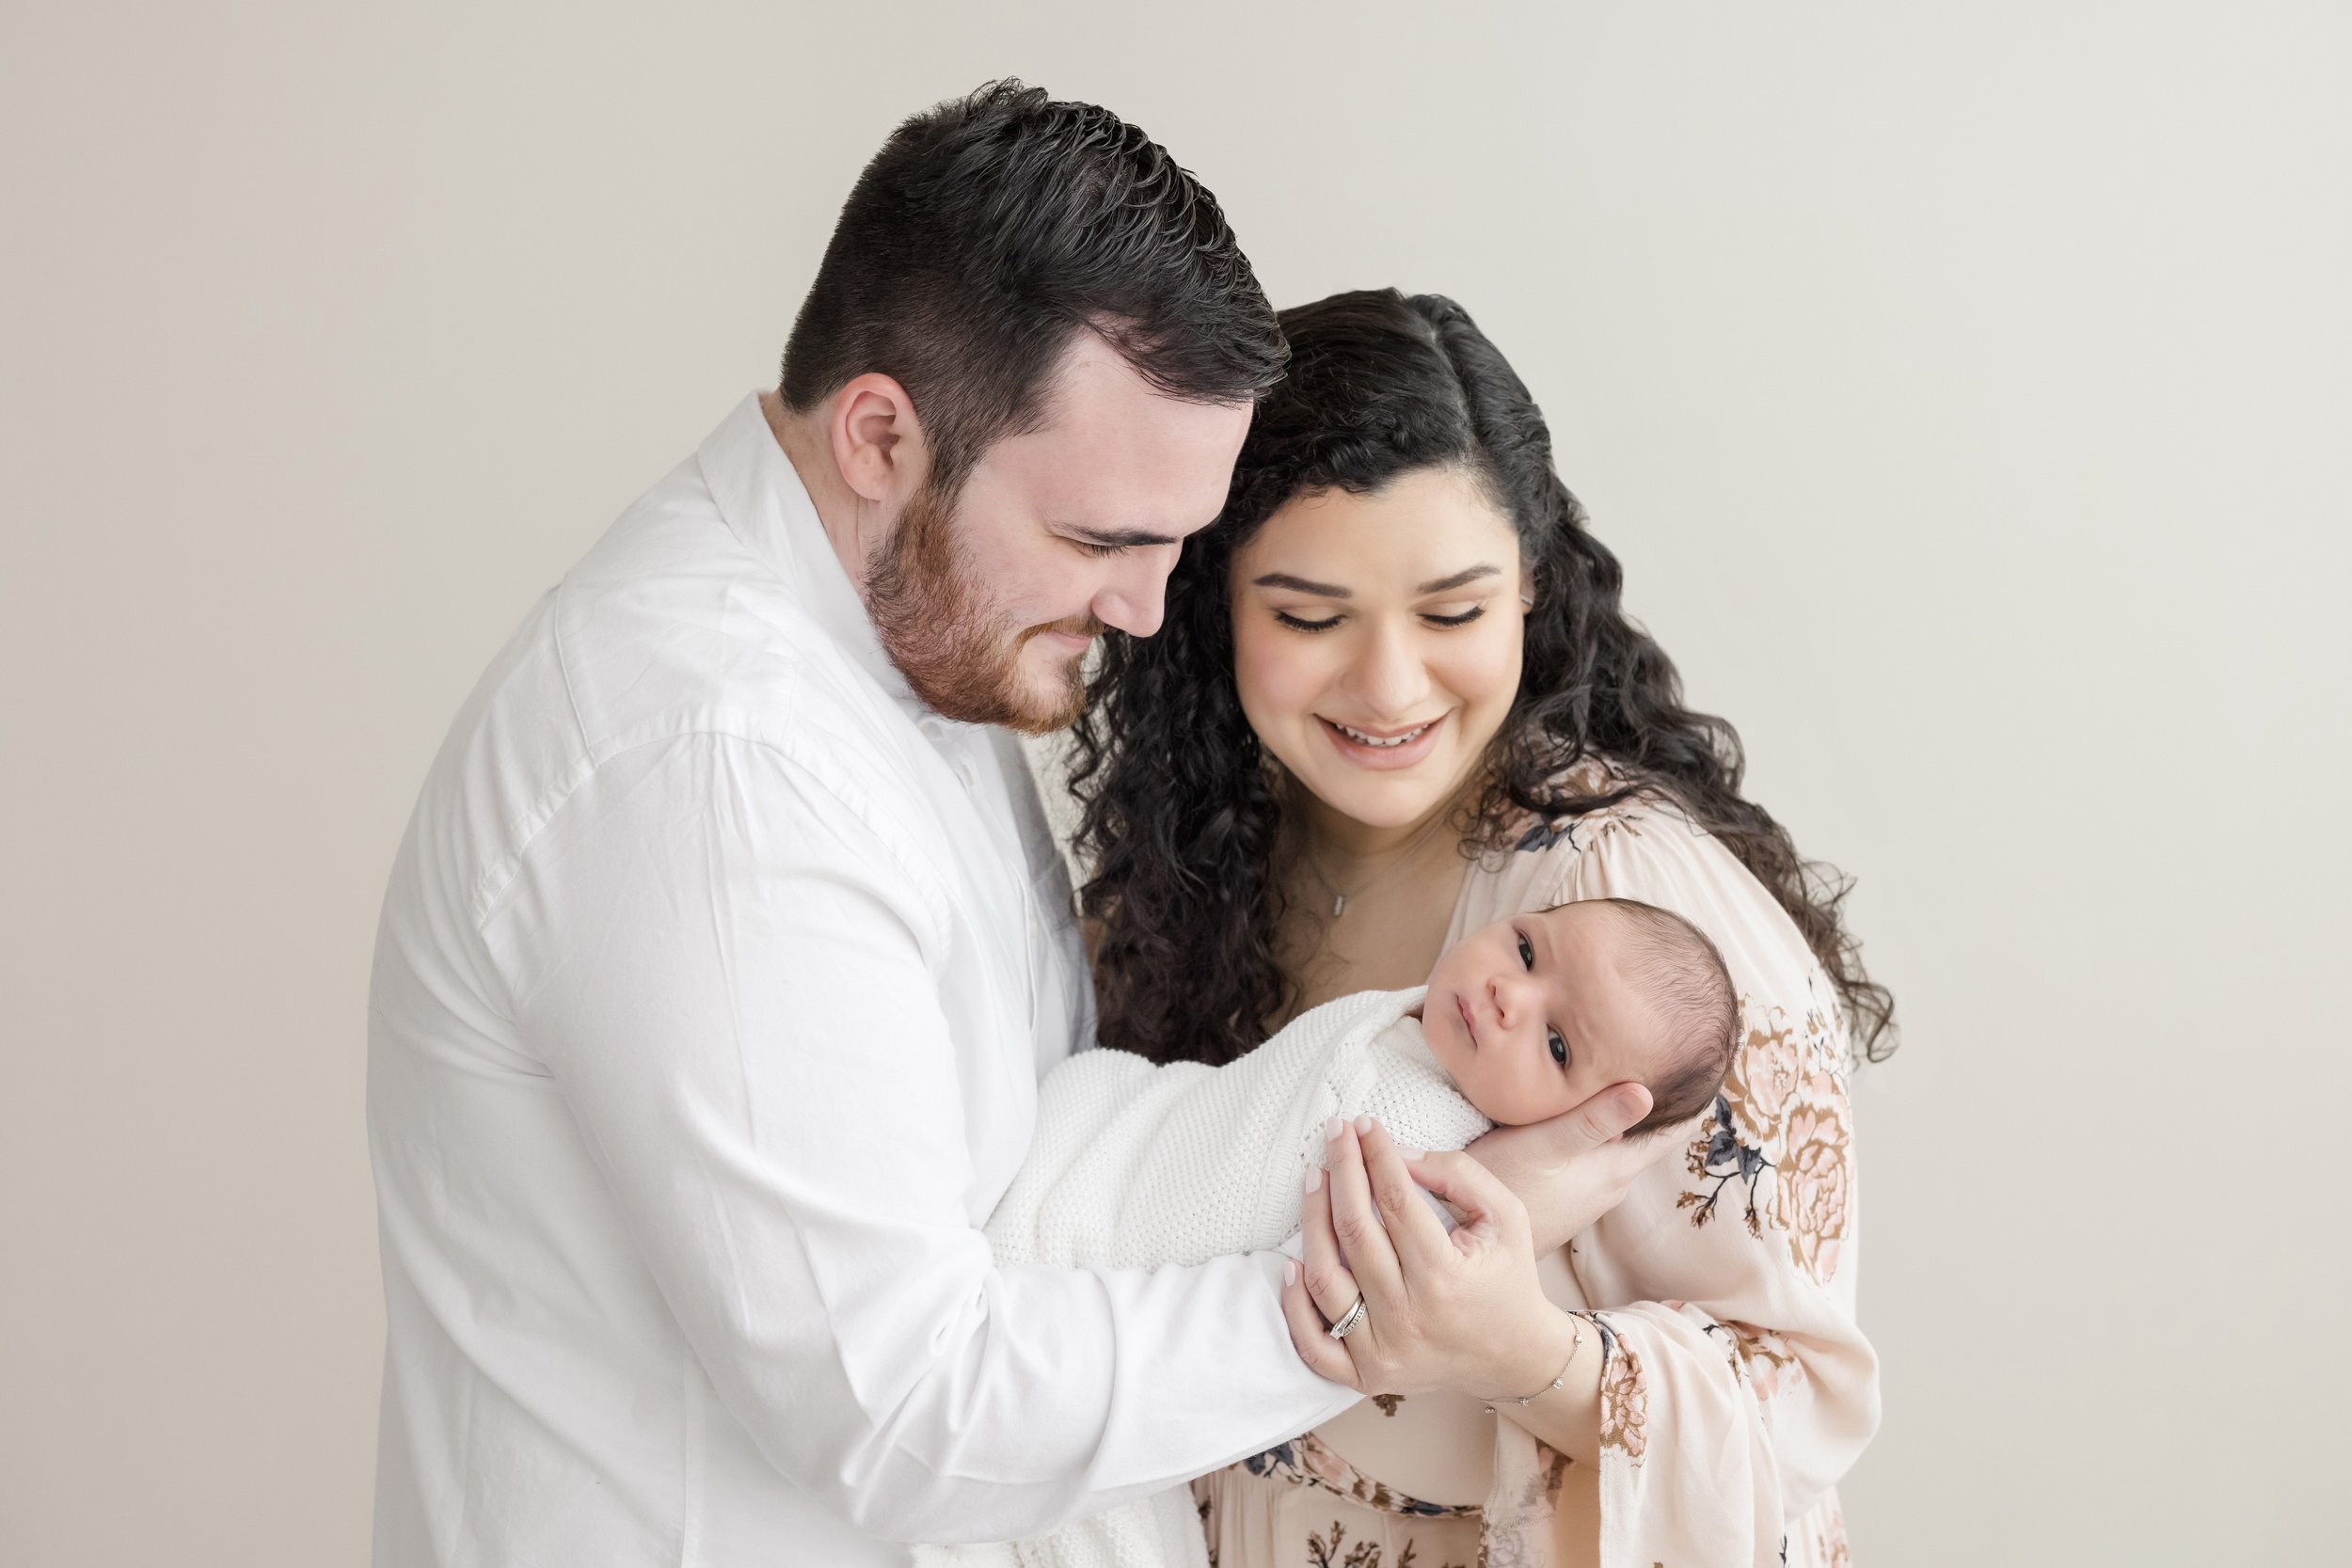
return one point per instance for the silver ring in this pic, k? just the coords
(1348, 1320)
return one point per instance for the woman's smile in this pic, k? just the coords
(1384, 749)
(1377, 641)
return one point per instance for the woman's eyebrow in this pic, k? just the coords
(1467, 575)
(1300, 585)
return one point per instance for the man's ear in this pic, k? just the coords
(878, 441)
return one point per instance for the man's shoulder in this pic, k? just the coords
(669, 628)
(671, 613)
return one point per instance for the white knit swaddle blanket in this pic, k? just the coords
(1133, 1167)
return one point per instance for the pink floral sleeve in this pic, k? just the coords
(1736, 1388)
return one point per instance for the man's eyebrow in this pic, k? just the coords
(1467, 575)
(1301, 585)
(1122, 537)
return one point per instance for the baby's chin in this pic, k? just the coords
(1444, 1043)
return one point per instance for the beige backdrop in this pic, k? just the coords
(1968, 396)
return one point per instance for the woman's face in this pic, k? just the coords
(1377, 640)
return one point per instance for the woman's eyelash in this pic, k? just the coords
(1296, 625)
(1094, 549)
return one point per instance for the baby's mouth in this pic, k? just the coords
(1470, 1025)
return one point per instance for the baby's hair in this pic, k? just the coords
(1683, 975)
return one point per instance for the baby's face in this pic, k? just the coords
(1534, 1015)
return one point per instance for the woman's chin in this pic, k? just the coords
(1384, 798)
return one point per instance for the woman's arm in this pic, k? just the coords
(1738, 1387)
(1564, 1416)
(1722, 1383)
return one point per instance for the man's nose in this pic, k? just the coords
(1136, 601)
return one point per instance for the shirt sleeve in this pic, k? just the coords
(1136, 1166)
(1737, 1386)
(733, 976)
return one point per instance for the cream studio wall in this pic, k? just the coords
(1967, 395)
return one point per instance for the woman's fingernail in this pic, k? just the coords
(1290, 1274)
(1363, 1124)
(1314, 1177)
(1331, 1127)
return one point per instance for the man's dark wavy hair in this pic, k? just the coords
(992, 229)
(1181, 818)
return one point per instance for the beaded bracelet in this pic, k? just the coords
(1558, 1383)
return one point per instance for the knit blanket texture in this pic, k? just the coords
(1136, 1166)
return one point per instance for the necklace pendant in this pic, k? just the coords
(1339, 905)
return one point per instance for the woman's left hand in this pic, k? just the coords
(1460, 1311)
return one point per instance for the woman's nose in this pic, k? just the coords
(1390, 678)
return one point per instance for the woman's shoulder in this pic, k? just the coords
(1538, 857)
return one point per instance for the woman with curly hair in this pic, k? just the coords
(1396, 700)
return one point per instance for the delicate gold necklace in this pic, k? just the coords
(1404, 858)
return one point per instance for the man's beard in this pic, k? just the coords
(937, 622)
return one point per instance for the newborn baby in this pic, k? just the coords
(1535, 1014)
(1133, 1165)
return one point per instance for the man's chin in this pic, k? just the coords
(1025, 700)
(1048, 694)
(1047, 712)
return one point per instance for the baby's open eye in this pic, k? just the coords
(1526, 951)
(1559, 1046)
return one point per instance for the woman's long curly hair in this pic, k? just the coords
(1182, 818)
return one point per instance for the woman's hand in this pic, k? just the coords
(1460, 1311)
(1570, 1170)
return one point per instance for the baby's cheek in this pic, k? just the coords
(1561, 1095)
(1582, 1083)
(1515, 1103)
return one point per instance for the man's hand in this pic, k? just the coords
(1576, 1167)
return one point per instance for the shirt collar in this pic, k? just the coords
(762, 498)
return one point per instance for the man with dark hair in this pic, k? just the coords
(1015, 267)
(727, 943)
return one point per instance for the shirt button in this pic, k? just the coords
(963, 771)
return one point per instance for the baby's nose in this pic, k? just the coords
(1510, 1000)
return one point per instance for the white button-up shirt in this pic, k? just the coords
(713, 984)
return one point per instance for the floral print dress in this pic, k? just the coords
(1736, 1387)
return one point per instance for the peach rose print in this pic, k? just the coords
(1784, 1075)
(1764, 1079)
(1623, 1394)
(1770, 1364)
(1814, 1184)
